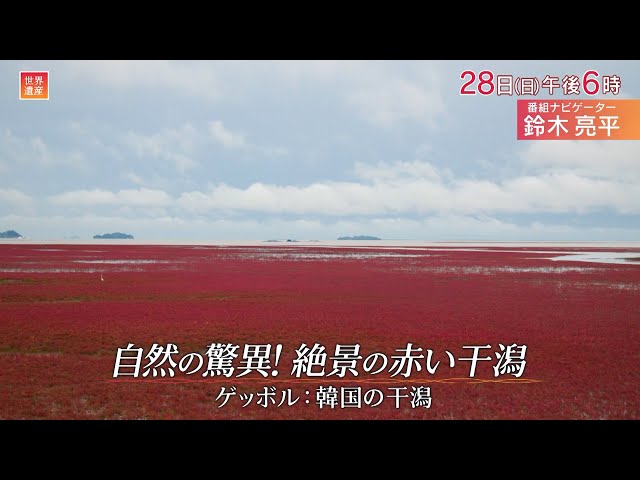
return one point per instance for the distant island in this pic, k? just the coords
(360, 237)
(10, 234)
(114, 236)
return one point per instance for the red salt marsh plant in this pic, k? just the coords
(61, 326)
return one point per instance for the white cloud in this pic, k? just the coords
(394, 171)
(88, 134)
(375, 89)
(187, 77)
(179, 146)
(133, 178)
(182, 162)
(226, 137)
(390, 189)
(616, 159)
(418, 188)
(14, 197)
(393, 101)
(172, 145)
(304, 71)
(19, 151)
(384, 93)
(234, 140)
(142, 197)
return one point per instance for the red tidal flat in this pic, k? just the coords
(61, 326)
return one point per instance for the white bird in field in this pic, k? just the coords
(101, 279)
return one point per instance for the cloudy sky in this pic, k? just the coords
(256, 150)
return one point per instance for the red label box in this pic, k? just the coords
(578, 119)
(34, 85)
